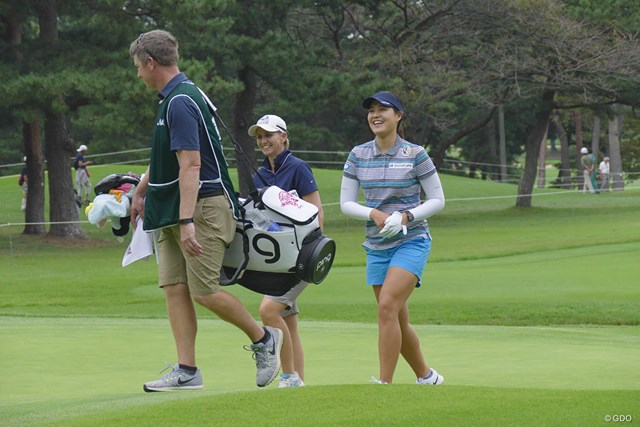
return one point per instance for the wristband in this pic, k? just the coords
(183, 221)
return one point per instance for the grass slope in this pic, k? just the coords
(69, 367)
(360, 405)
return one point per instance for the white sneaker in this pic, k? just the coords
(290, 380)
(434, 378)
(377, 381)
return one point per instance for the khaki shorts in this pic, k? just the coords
(215, 230)
(82, 180)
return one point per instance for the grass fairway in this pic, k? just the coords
(532, 315)
(70, 367)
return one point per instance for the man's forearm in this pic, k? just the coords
(189, 181)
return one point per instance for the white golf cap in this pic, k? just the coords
(584, 150)
(82, 148)
(269, 123)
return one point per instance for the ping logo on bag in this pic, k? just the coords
(323, 263)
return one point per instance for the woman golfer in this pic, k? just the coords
(391, 172)
(282, 168)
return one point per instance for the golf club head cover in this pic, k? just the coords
(124, 227)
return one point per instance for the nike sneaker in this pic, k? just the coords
(433, 378)
(267, 357)
(177, 379)
(290, 380)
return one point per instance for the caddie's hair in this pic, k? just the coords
(160, 45)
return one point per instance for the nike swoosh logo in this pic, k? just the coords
(180, 382)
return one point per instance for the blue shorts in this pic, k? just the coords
(412, 256)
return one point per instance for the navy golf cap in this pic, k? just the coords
(385, 98)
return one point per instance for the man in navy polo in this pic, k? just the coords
(187, 196)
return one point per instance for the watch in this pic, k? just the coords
(410, 216)
(182, 221)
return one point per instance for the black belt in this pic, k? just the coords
(211, 193)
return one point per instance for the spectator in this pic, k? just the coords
(604, 174)
(594, 172)
(587, 168)
(83, 183)
(23, 181)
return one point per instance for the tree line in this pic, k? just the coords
(484, 79)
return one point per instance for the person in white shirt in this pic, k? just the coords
(604, 174)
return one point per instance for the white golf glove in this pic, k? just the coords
(393, 225)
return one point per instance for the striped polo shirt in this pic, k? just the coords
(390, 182)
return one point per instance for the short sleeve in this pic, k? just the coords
(184, 121)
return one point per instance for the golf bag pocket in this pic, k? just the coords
(266, 283)
(315, 257)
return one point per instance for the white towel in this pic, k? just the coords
(141, 246)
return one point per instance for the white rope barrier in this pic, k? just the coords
(343, 154)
